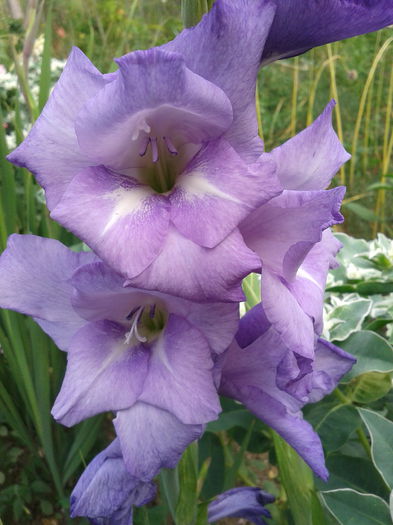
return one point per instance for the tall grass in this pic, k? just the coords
(358, 74)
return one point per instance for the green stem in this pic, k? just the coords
(337, 392)
(364, 441)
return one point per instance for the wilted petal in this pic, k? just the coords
(34, 280)
(284, 230)
(227, 44)
(298, 27)
(51, 150)
(123, 222)
(180, 377)
(152, 439)
(310, 159)
(331, 363)
(310, 380)
(249, 375)
(98, 360)
(241, 502)
(153, 94)
(200, 274)
(294, 376)
(106, 492)
(218, 186)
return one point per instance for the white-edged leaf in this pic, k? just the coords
(373, 353)
(347, 316)
(350, 507)
(381, 432)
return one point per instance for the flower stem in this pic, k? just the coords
(364, 441)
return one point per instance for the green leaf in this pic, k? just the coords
(45, 77)
(350, 507)
(202, 514)
(391, 504)
(374, 288)
(361, 211)
(381, 432)
(85, 435)
(158, 514)
(347, 318)
(341, 288)
(169, 487)
(227, 420)
(192, 11)
(352, 246)
(352, 472)
(46, 507)
(379, 323)
(186, 508)
(210, 447)
(8, 216)
(337, 425)
(232, 472)
(380, 186)
(297, 479)
(369, 387)
(373, 353)
(141, 516)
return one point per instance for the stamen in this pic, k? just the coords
(144, 146)
(152, 312)
(171, 147)
(129, 316)
(154, 149)
(134, 328)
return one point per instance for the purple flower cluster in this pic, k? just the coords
(159, 169)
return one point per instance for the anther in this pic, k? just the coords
(152, 312)
(129, 316)
(171, 147)
(154, 149)
(144, 146)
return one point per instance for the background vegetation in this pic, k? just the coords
(40, 460)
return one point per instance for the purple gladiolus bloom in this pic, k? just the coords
(241, 502)
(284, 231)
(275, 382)
(132, 161)
(106, 492)
(148, 356)
(299, 26)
